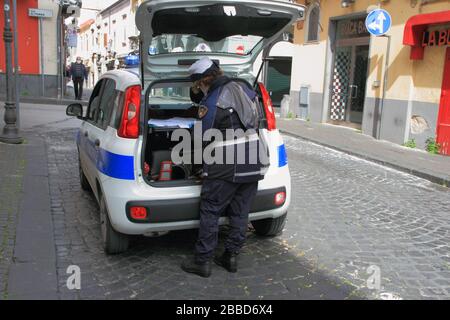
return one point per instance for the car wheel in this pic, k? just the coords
(113, 241)
(83, 180)
(269, 227)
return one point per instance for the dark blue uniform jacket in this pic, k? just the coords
(249, 170)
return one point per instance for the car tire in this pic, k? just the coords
(113, 242)
(83, 180)
(269, 227)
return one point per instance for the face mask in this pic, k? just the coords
(203, 89)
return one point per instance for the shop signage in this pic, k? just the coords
(352, 28)
(436, 38)
(40, 13)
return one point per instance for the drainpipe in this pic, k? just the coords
(16, 64)
(58, 52)
(385, 83)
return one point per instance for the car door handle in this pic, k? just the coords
(97, 143)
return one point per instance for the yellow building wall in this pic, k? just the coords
(407, 79)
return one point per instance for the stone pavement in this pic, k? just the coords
(150, 269)
(346, 215)
(12, 166)
(349, 214)
(27, 256)
(435, 168)
(58, 226)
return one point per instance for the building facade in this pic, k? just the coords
(37, 57)
(339, 73)
(111, 32)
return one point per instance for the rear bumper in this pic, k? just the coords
(178, 208)
(163, 211)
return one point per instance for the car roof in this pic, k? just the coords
(123, 78)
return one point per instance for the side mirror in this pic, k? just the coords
(75, 110)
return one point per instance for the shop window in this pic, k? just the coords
(313, 20)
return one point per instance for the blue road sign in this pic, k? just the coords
(378, 22)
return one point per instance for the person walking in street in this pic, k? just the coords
(227, 187)
(79, 74)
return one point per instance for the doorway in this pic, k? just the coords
(348, 85)
(349, 69)
(443, 125)
(279, 78)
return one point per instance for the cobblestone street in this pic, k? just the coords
(347, 214)
(270, 268)
(308, 142)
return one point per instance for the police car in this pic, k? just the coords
(125, 140)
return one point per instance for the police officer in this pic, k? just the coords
(228, 188)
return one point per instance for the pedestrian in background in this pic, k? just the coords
(79, 74)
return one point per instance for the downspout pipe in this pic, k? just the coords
(58, 52)
(16, 64)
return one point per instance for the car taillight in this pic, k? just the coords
(129, 125)
(280, 198)
(138, 213)
(268, 107)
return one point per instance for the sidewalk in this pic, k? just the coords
(26, 227)
(435, 168)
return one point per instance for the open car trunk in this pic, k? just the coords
(176, 33)
(169, 115)
(169, 110)
(234, 32)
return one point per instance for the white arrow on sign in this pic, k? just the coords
(378, 23)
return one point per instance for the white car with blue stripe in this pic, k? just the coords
(121, 154)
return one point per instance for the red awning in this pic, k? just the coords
(416, 26)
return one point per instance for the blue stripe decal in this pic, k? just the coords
(282, 156)
(116, 165)
(111, 164)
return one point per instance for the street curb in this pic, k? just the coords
(51, 101)
(442, 181)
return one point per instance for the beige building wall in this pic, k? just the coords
(49, 31)
(427, 74)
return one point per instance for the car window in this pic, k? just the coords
(176, 43)
(94, 102)
(116, 116)
(170, 95)
(107, 104)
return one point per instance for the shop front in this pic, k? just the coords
(423, 32)
(349, 72)
(393, 87)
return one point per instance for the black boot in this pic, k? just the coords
(201, 269)
(227, 260)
